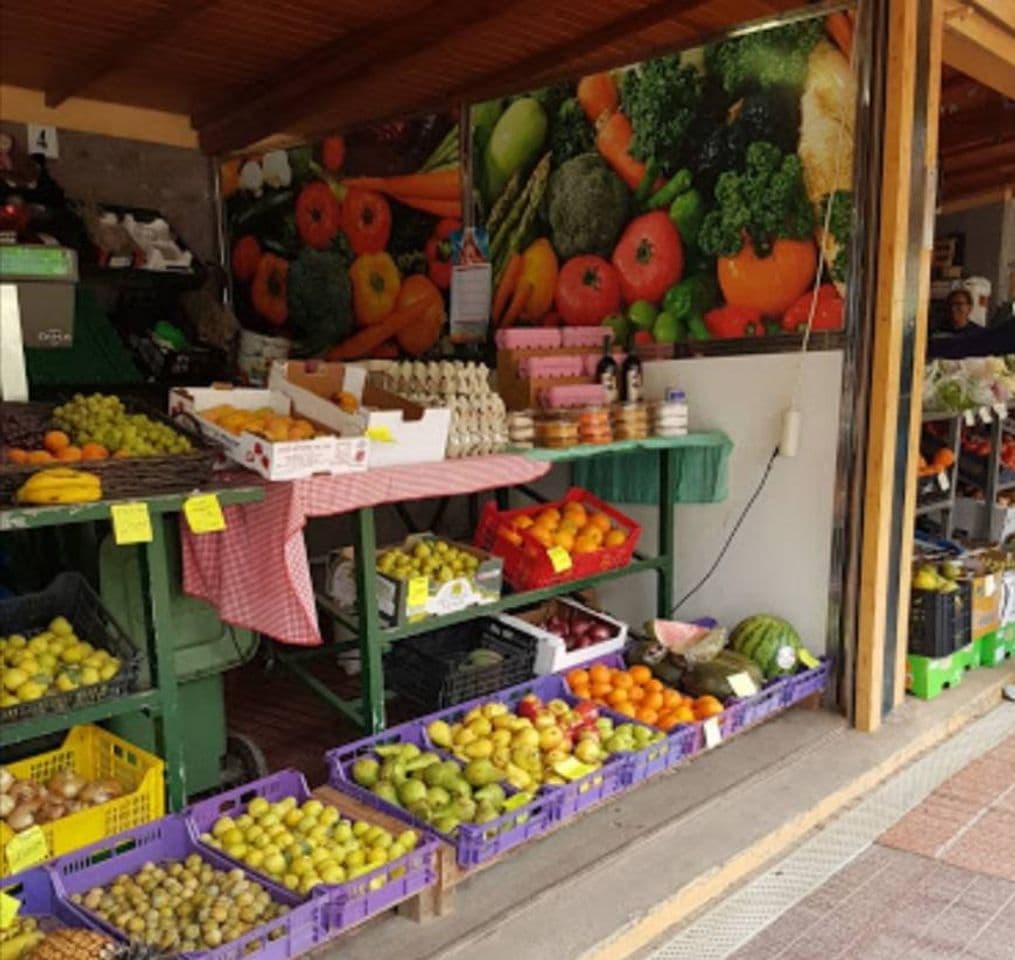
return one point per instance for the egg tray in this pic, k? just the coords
(347, 903)
(303, 928)
(69, 595)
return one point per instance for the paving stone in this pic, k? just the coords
(988, 846)
(928, 827)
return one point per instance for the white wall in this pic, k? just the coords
(780, 559)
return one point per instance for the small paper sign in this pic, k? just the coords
(381, 434)
(742, 684)
(9, 908)
(419, 592)
(970, 417)
(27, 849)
(1001, 410)
(131, 523)
(807, 658)
(985, 415)
(989, 586)
(571, 768)
(560, 559)
(204, 513)
(943, 482)
(713, 735)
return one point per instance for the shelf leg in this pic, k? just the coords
(372, 671)
(667, 478)
(155, 567)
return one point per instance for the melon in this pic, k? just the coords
(771, 642)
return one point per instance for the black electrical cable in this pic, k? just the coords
(729, 540)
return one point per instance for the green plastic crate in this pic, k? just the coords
(928, 677)
(996, 648)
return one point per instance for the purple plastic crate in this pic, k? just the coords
(303, 928)
(811, 681)
(474, 843)
(350, 902)
(34, 890)
(770, 699)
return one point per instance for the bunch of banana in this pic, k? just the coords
(60, 485)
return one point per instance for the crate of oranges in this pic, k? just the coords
(552, 543)
(634, 692)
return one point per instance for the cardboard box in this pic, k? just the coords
(280, 460)
(398, 430)
(408, 601)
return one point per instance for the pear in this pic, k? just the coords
(492, 793)
(433, 774)
(478, 773)
(463, 809)
(386, 791)
(438, 797)
(485, 812)
(439, 733)
(458, 787)
(412, 791)
(446, 824)
(421, 810)
(365, 771)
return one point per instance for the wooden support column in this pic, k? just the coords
(908, 180)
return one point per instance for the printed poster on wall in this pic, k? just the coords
(679, 199)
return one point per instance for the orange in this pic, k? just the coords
(593, 534)
(654, 684)
(623, 681)
(671, 699)
(653, 701)
(94, 451)
(568, 526)
(600, 689)
(575, 513)
(636, 694)
(523, 522)
(617, 697)
(542, 535)
(707, 707)
(599, 702)
(121, 455)
(584, 544)
(615, 538)
(640, 674)
(577, 678)
(55, 440)
(39, 456)
(564, 539)
(666, 722)
(684, 714)
(69, 453)
(17, 455)
(645, 715)
(550, 517)
(582, 692)
(627, 710)
(503, 532)
(601, 522)
(599, 673)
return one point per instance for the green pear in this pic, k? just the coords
(478, 773)
(365, 771)
(463, 809)
(492, 793)
(437, 797)
(446, 824)
(433, 774)
(412, 791)
(386, 791)
(439, 733)
(485, 812)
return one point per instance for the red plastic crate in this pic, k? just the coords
(527, 566)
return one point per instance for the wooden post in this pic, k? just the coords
(909, 141)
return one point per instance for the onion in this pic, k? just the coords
(66, 784)
(20, 818)
(100, 791)
(7, 804)
(6, 780)
(52, 809)
(25, 789)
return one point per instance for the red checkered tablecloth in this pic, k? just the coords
(256, 572)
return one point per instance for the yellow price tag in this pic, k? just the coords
(131, 523)
(204, 513)
(560, 559)
(807, 658)
(26, 849)
(419, 592)
(381, 434)
(9, 908)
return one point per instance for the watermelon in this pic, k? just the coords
(769, 641)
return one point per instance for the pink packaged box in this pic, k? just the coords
(573, 395)
(531, 338)
(591, 360)
(585, 336)
(549, 368)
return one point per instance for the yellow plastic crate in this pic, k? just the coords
(93, 753)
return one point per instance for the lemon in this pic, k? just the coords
(253, 832)
(61, 627)
(254, 858)
(232, 837)
(312, 808)
(222, 826)
(270, 821)
(89, 676)
(110, 670)
(65, 683)
(258, 807)
(97, 659)
(354, 859)
(274, 863)
(46, 662)
(39, 643)
(317, 834)
(75, 653)
(292, 818)
(284, 806)
(261, 841)
(308, 882)
(291, 881)
(8, 699)
(333, 874)
(15, 678)
(245, 822)
(236, 850)
(16, 641)
(30, 691)
(329, 815)
(302, 866)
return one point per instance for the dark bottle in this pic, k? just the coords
(607, 375)
(630, 376)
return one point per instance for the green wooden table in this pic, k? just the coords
(160, 700)
(371, 637)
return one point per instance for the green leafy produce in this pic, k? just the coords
(840, 226)
(768, 201)
(586, 207)
(765, 58)
(661, 99)
(320, 299)
(551, 98)
(571, 133)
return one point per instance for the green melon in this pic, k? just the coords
(769, 641)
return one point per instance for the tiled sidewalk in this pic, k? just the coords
(939, 885)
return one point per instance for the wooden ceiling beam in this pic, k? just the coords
(981, 45)
(77, 78)
(979, 157)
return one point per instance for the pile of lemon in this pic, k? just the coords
(54, 660)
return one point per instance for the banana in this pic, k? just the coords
(60, 485)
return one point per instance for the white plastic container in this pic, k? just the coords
(979, 289)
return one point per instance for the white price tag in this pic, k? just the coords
(970, 417)
(989, 585)
(713, 735)
(985, 415)
(1001, 410)
(742, 685)
(943, 482)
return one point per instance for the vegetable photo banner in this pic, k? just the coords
(683, 198)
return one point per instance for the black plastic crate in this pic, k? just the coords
(940, 623)
(70, 596)
(433, 670)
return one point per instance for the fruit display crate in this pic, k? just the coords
(70, 596)
(940, 623)
(348, 903)
(93, 754)
(474, 844)
(122, 478)
(36, 894)
(441, 669)
(303, 928)
(527, 564)
(929, 677)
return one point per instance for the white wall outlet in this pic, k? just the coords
(43, 139)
